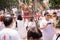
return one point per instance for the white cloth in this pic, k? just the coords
(49, 31)
(14, 10)
(9, 34)
(1, 26)
(55, 36)
(14, 25)
(21, 28)
(31, 25)
(26, 22)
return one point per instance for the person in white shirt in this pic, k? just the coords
(47, 25)
(21, 28)
(1, 22)
(31, 24)
(14, 21)
(7, 33)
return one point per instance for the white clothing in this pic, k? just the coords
(9, 34)
(31, 25)
(21, 28)
(26, 22)
(1, 26)
(14, 10)
(55, 36)
(14, 25)
(49, 31)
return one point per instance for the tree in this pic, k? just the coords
(8, 3)
(55, 3)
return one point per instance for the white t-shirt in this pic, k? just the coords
(31, 25)
(14, 10)
(14, 25)
(26, 22)
(49, 31)
(9, 34)
(21, 28)
(1, 26)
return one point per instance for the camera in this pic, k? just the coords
(49, 23)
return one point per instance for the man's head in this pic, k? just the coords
(32, 19)
(47, 15)
(8, 21)
(19, 17)
(33, 36)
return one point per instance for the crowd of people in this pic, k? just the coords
(14, 27)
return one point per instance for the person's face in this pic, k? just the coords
(48, 16)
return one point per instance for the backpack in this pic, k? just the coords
(58, 37)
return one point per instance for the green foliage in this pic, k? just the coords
(55, 3)
(8, 3)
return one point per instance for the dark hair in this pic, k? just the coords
(31, 19)
(19, 17)
(7, 21)
(34, 35)
(12, 14)
(46, 13)
(54, 13)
